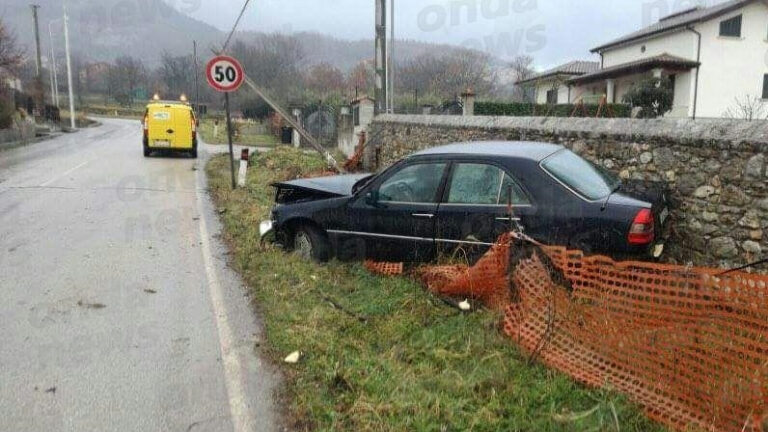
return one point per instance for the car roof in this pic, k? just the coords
(536, 151)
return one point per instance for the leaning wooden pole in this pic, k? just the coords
(291, 121)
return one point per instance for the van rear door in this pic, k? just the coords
(180, 128)
(159, 122)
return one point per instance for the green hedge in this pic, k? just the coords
(516, 109)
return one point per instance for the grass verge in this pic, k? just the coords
(248, 135)
(415, 364)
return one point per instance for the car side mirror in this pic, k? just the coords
(372, 198)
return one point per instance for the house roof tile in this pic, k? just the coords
(677, 21)
(577, 67)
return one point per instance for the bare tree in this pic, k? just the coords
(747, 108)
(360, 78)
(177, 74)
(129, 74)
(448, 75)
(274, 62)
(11, 55)
(522, 69)
(324, 79)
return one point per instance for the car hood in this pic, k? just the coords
(340, 185)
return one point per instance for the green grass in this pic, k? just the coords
(250, 135)
(415, 364)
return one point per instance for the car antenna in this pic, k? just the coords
(608, 198)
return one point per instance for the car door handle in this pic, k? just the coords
(508, 219)
(170, 131)
(423, 215)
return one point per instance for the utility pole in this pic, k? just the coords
(72, 114)
(392, 57)
(38, 57)
(381, 83)
(197, 86)
(39, 90)
(54, 72)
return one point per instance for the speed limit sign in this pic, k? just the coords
(224, 73)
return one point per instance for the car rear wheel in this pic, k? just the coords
(147, 151)
(311, 243)
(193, 153)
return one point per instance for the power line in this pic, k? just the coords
(242, 12)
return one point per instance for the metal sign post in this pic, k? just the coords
(225, 74)
(229, 138)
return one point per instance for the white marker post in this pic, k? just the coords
(243, 168)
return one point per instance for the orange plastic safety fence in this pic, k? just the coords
(385, 268)
(486, 281)
(688, 345)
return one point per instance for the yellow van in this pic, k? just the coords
(170, 126)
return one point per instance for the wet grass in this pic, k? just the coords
(249, 135)
(413, 363)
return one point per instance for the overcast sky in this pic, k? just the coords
(552, 31)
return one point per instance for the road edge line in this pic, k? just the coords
(233, 376)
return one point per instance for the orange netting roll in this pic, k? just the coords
(688, 345)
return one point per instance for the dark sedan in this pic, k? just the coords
(461, 197)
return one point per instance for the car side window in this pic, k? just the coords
(483, 184)
(413, 184)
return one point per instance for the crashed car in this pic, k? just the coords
(463, 197)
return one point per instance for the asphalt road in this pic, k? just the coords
(118, 311)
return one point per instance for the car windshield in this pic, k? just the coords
(580, 175)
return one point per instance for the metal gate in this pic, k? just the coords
(321, 122)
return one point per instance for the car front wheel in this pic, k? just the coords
(310, 242)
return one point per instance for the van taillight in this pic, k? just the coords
(642, 230)
(146, 125)
(194, 128)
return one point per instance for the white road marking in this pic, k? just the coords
(233, 371)
(68, 172)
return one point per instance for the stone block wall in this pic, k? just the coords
(716, 169)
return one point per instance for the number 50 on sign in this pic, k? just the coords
(224, 73)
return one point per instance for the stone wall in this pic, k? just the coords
(716, 169)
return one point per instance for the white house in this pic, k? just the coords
(714, 56)
(552, 86)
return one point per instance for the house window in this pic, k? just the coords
(356, 115)
(731, 27)
(552, 97)
(765, 86)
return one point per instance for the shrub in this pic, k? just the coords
(519, 109)
(653, 95)
(7, 110)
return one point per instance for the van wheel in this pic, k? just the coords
(147, 151)
(193, 153)
(311, 243)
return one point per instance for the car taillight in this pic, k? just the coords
(642, 230)
(194, 128)
(146, 125)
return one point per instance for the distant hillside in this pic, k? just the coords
(106, 29)
(345, 54)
